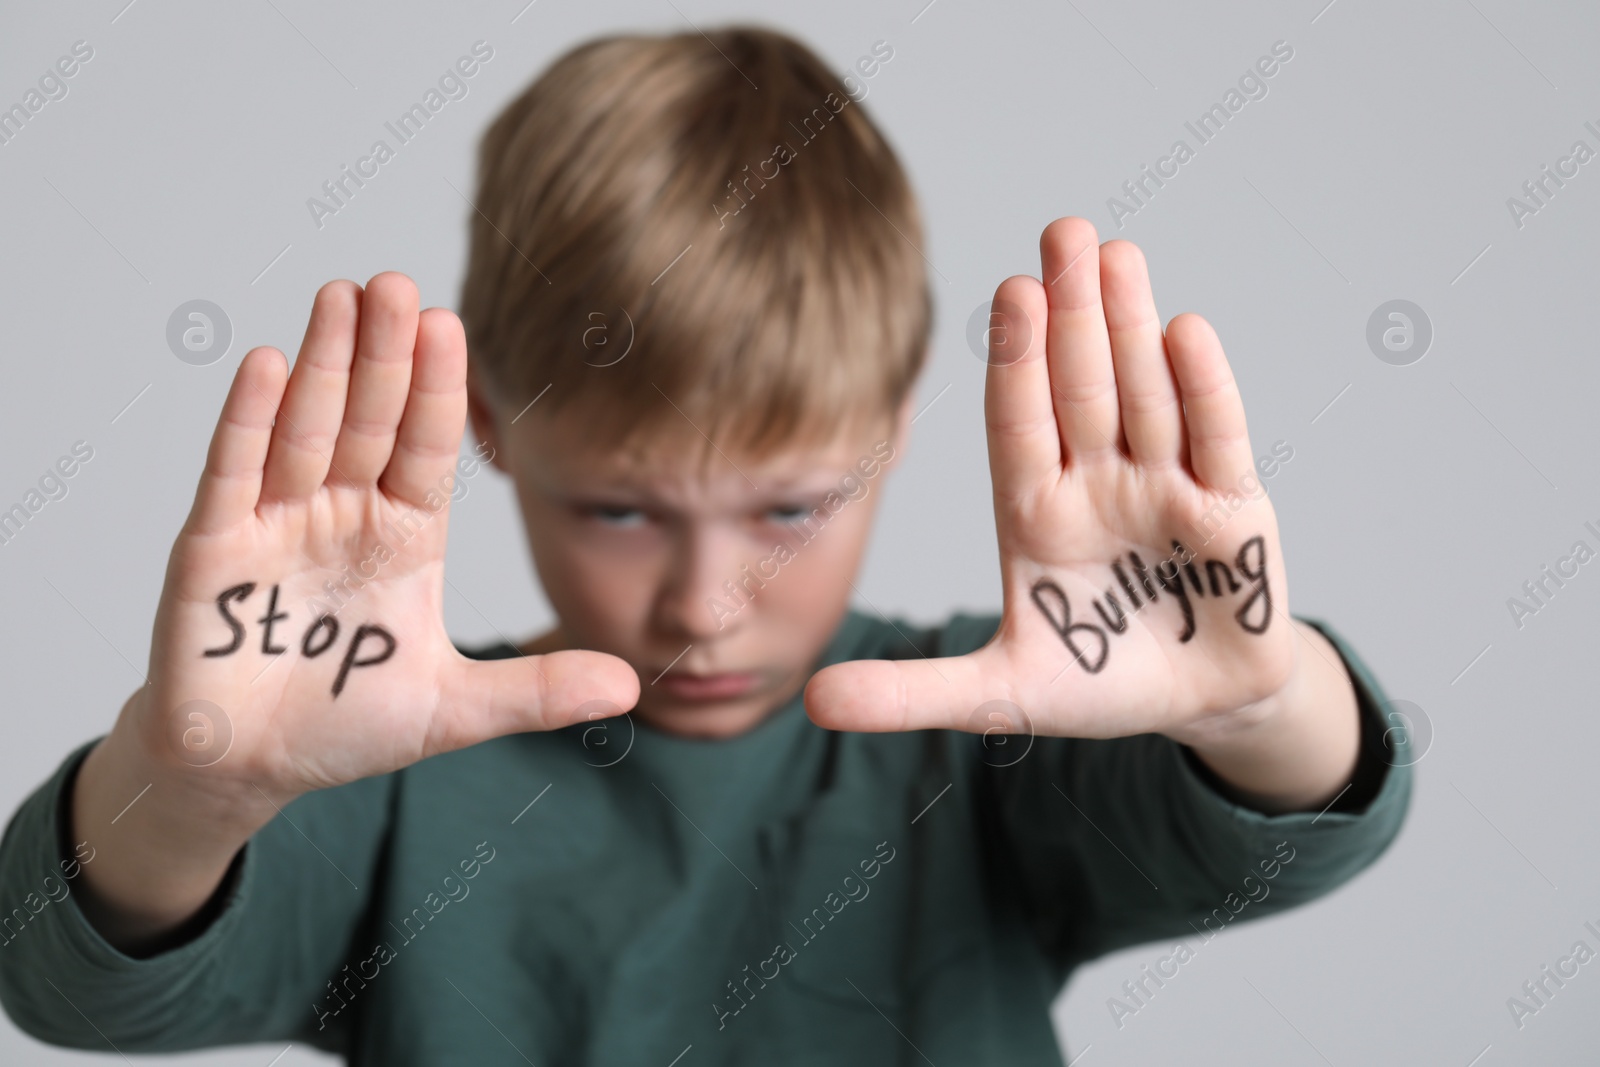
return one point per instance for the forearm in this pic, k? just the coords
(214, 961)
(1296, 750)
(163, 838)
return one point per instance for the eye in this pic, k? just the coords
(617, 516)
(789, 514)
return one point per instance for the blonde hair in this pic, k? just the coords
(720, 209)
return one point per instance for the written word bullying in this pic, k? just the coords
(1168, 577)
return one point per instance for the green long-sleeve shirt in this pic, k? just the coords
(614, 895)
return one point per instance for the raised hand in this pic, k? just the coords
(1144, 587)
(299, 642)
(303, 596)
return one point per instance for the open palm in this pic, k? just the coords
(300, 640)
(1143, 584)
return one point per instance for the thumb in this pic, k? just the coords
(484, 699)
(874, 696)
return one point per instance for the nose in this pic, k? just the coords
(700, 599)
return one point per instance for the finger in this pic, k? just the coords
(429, 438)
(1219, 443)
(1147, 397)
(873, 696)
(1082, 380)
(379, 379)
(485, 699)
(230, 485)
(313, 403)
(1024, 441)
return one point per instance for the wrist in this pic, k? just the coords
(1296, 748)
(132, 786)
(162, 837)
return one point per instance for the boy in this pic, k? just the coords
(852, 839)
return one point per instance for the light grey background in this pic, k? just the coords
(1419, 498)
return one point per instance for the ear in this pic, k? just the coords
(485, 426)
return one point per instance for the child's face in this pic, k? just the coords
(671, 558)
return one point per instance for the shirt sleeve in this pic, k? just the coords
(255, 961)
(1110, 843)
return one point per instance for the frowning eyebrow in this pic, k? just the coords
(628, 493)
(813, 481)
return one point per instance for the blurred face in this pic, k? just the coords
(720, 579)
